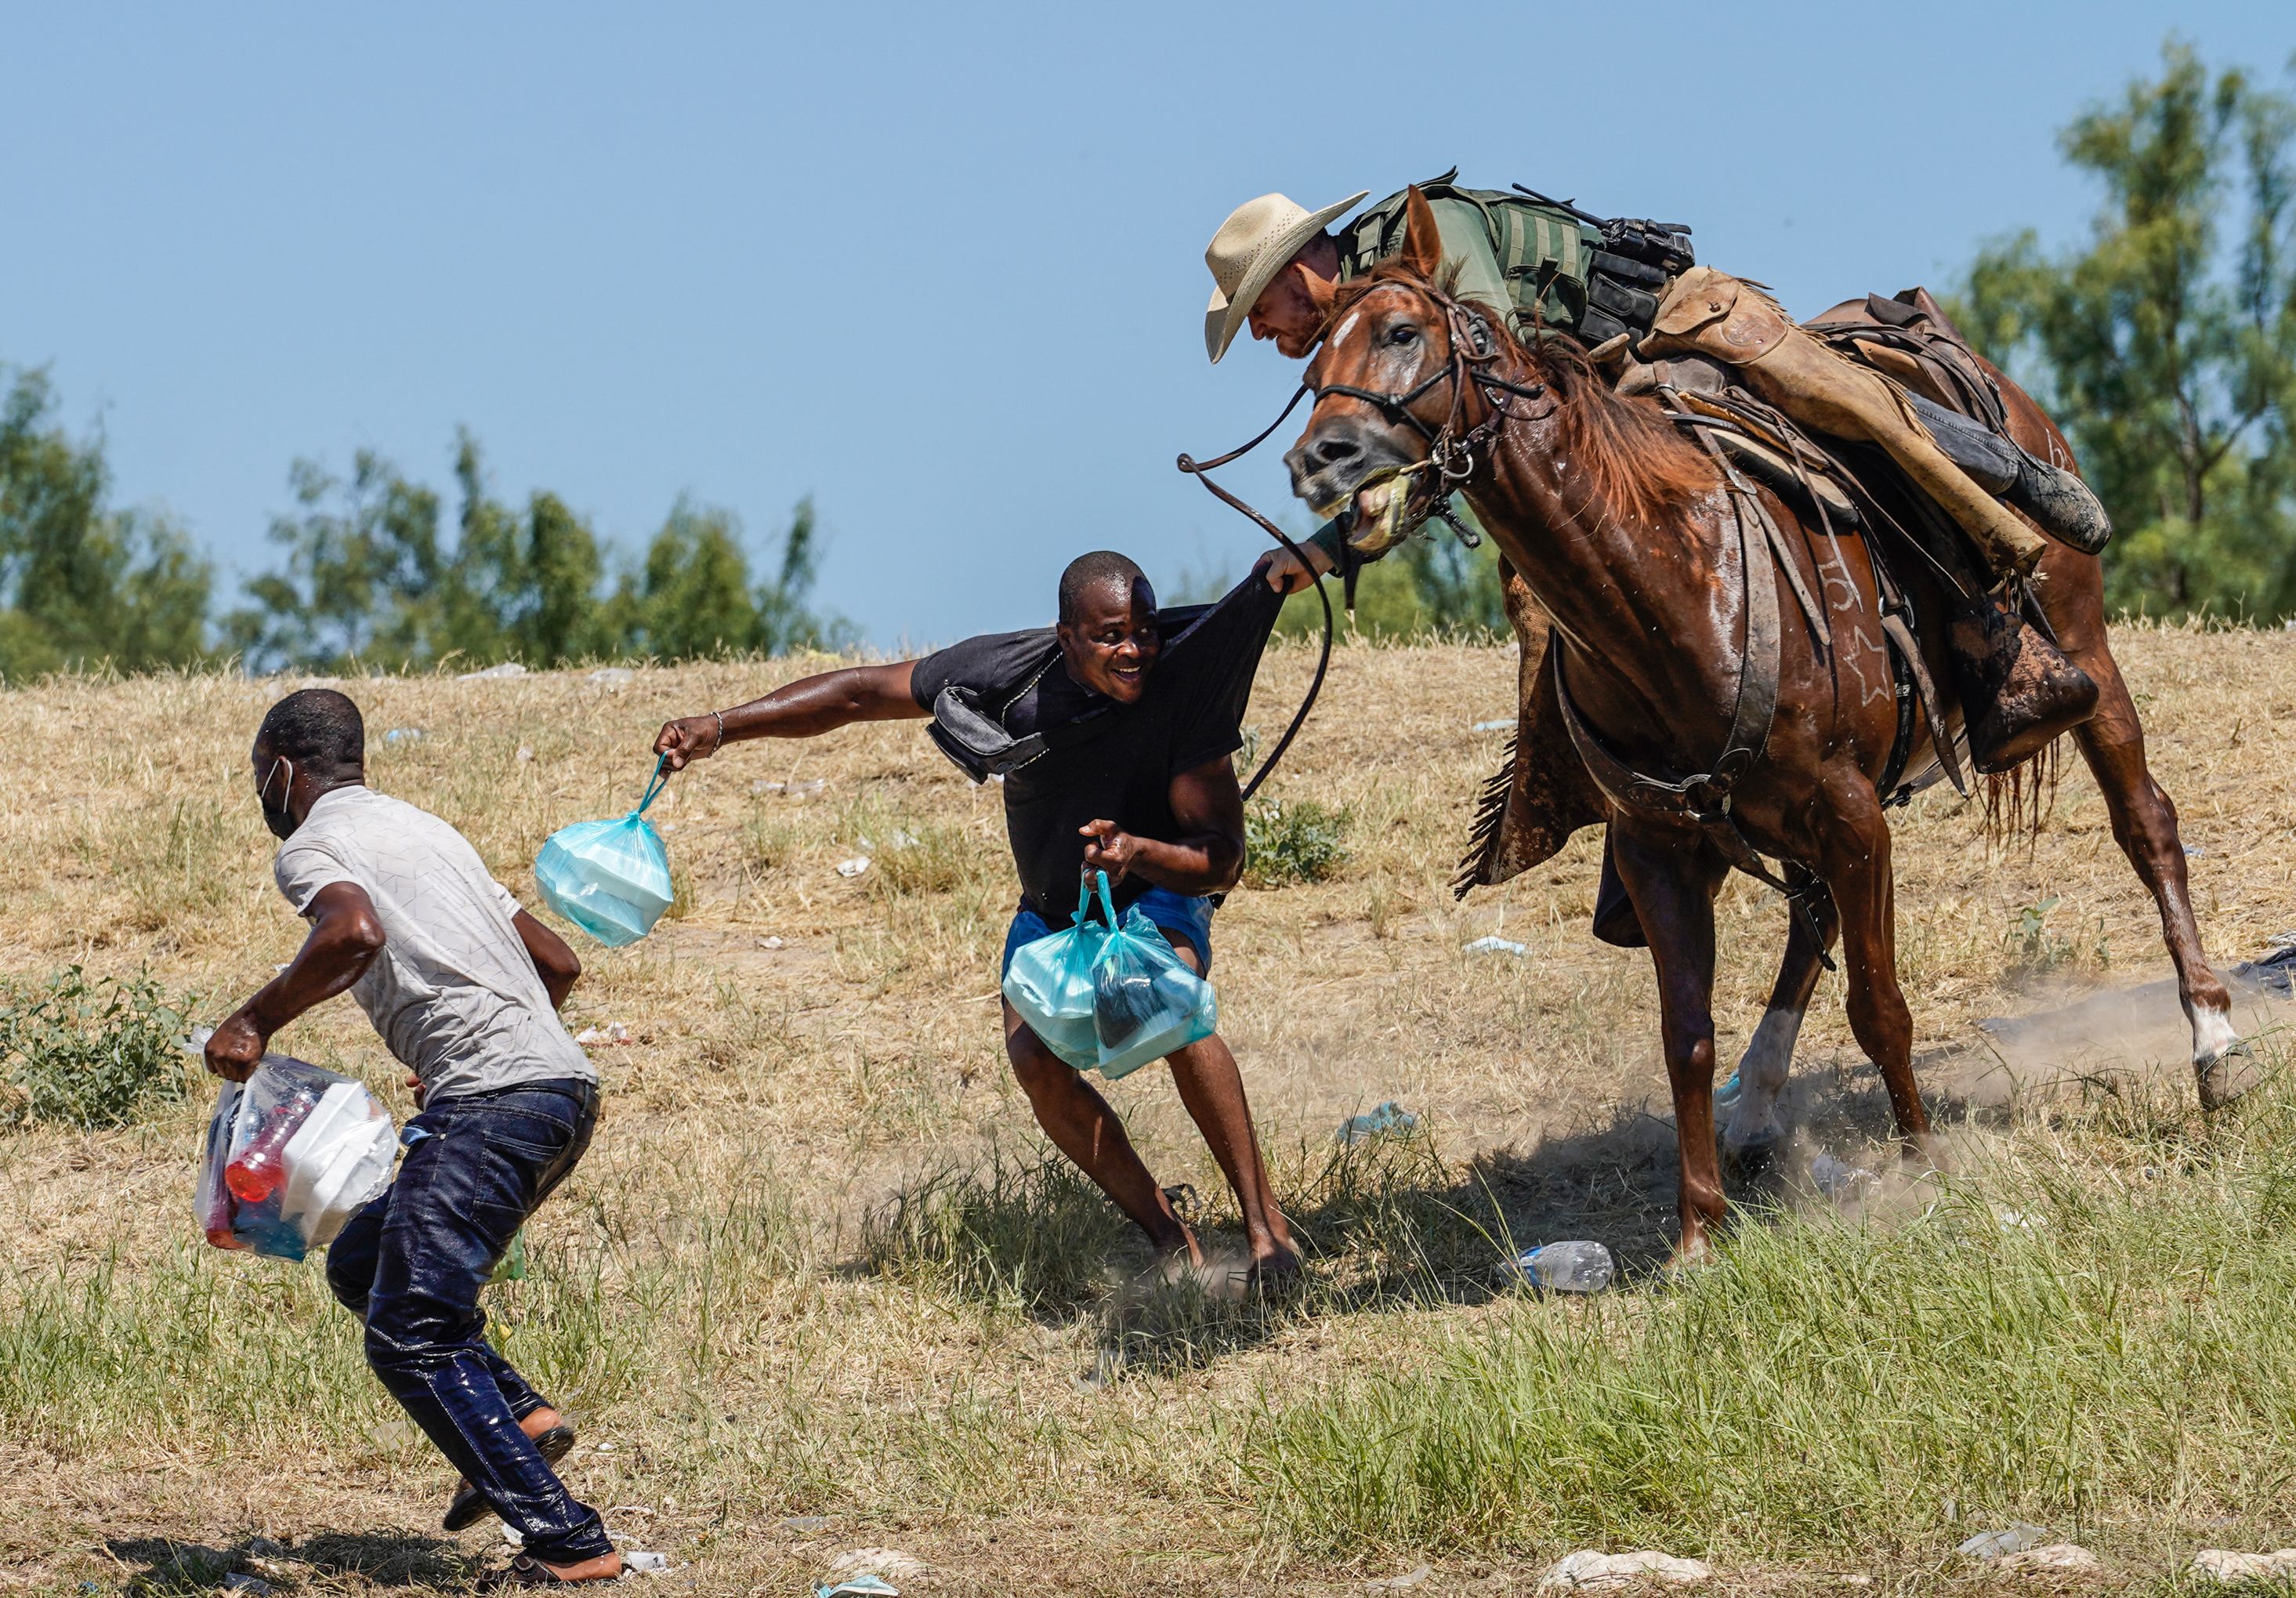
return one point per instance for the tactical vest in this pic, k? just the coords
(1563, 269)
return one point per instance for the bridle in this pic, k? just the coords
(1450, 450)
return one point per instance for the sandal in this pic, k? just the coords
(469, 1506)
(525, 1570)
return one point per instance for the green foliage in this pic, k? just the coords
(1430, 586)
(370, 579)
(1298, 841)
(82, 583)
(2166, 346)
(90, 1054)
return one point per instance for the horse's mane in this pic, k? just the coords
(1639, 462)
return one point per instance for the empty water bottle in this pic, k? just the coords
(1568, 1267)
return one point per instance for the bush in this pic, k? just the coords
(90, 1054)
(1298, 841)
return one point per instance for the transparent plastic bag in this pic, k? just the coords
(1051, 984)
(1146, 1001)
(292, 1153)
(610, 878)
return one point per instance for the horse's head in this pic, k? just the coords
(1396, 397)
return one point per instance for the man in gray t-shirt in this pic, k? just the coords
(454, 990)
(465, 987)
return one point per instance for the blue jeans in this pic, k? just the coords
(411, 1263)
(1181, 918)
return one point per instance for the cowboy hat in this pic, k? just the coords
(1255, 242)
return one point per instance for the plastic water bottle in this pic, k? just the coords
(257, 1170)
(1567, 1268)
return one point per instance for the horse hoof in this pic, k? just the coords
(2226, 1076)
(1752, 1159)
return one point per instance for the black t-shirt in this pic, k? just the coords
(1119, 764)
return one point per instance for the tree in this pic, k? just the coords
(369, 579)
(2166, 346)
(81, 583)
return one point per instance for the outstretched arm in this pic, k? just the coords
(1207, 856)
(810, 705)
(346, 936)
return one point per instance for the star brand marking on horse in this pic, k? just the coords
(1868, 691)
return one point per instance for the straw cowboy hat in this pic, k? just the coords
(1255, 242)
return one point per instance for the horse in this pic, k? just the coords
(1647, 556)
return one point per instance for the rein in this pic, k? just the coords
(1200, 470)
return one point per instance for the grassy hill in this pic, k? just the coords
(816, 1264)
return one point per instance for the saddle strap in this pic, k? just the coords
(1704, 799)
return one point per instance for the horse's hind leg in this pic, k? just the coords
(1671, 880)
(1854, 845)
(2144, 822)
(1755, 1128)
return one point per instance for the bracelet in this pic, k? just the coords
(719, 717)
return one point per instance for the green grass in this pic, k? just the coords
(1829, 1387)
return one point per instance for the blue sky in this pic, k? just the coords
(939, 266)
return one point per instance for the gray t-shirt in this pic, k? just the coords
(454, 993)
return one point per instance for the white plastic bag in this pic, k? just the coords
(291, 1154)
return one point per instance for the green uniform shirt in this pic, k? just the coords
(1510, 252)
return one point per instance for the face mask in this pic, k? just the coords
(281, 821)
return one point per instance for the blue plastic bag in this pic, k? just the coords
(610, 878)
(1050, 984)
(1146, 1001)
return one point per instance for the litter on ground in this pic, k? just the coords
(860, 1587)
(1497, 946)
(853, 867)
(2013, 1538)
(1499, 725)
(1576, 1266)
(403, 735)
(645, 1562)
(605, 1036)
(1389, 1119)
(1408, 1579)
(775, 942)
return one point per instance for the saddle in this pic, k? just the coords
(1543, 793)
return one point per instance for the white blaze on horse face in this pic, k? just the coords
(1346, 328)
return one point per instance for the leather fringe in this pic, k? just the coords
(1490, 816)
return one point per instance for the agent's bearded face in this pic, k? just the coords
(1113, 643)
(275, 779)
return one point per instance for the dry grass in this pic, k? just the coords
(815, 1265)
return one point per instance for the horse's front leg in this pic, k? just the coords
(1854, 843)
(1671, 876)
(1756, 1129)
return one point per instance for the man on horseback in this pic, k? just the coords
(1628, 293)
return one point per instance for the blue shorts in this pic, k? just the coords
(1181, 918)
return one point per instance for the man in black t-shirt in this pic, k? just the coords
(1115, 733)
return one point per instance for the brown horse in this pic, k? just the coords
(1637, 550)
